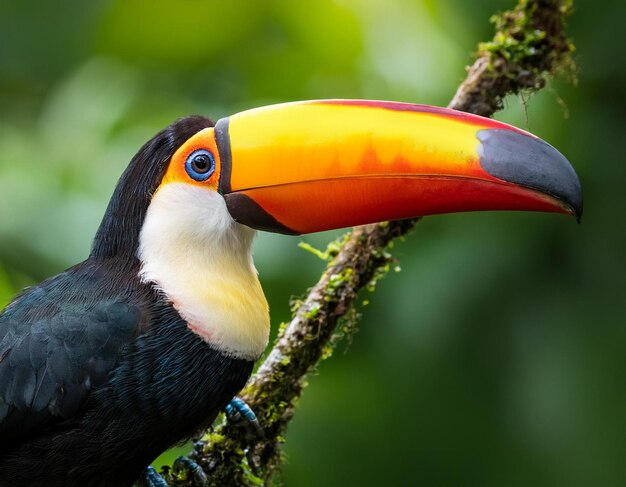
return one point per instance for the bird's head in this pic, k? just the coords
(187, 205)
(309, 166)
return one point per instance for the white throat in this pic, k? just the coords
(193, 251)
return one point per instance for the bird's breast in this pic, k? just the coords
(192, 250)
(230, 312)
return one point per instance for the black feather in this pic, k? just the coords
(98, 372)
(118, 235)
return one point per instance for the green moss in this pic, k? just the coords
(281, 328)
(337, 281)
(213, 438)
(312, 312)
(295, 303)
(379, 273)
(348, 326)
(327, 351)
(275, 410)
(309, 248)
(531, 41)
(516, 39)
(248, 475)
(332, 249)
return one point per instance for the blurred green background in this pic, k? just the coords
(496, 357)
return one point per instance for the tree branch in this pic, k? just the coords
(529, 46)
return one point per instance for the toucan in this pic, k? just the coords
(106, 365)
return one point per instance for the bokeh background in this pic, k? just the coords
(495, 357)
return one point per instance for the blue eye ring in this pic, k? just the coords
(200, 164)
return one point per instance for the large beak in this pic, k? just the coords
(317, 165)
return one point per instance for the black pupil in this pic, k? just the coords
(201, 163)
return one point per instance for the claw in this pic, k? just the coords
(151, 478)
(238, 412)
(198, 477)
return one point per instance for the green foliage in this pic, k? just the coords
(6, 290)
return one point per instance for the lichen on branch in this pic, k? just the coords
(530, 45)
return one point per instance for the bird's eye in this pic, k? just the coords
(200, 164)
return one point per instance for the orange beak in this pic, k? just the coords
(310, 166)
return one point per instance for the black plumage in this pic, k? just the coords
(98, 372)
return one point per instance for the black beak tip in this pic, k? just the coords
(528, 161)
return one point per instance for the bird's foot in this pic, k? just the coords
(239, 413)
(151, 478)
(194, 471)
(237, 410)
(183, 467)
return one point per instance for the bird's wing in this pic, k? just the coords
(52, 356)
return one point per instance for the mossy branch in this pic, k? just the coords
(530, 46)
